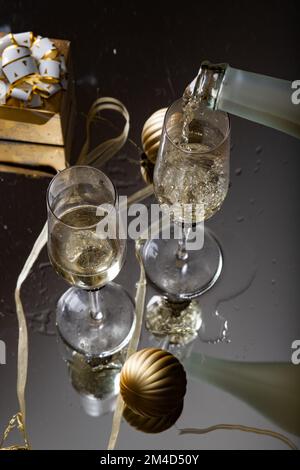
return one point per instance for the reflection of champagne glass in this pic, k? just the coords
(95, 380)
(98, 385)
(190, 179)
(95, 317)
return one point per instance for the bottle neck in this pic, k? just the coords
(207, 85)
(252, 96)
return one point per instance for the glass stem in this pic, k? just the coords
(182, 253)
(95, 309)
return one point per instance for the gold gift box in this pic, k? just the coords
(34, 141)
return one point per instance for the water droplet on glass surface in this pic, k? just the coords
(214, 329)
(5, 227)
(273, 282)
(258, 149)
(252, 201)
(42, 321)
(240, 219)
(238, 171)
(274, 261)
(256, 169)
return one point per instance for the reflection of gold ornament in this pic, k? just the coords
(153, 382)
(151, 133)
(152, 425)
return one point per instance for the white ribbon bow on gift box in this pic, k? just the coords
(31, 68)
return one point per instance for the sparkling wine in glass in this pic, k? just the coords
(95, 316)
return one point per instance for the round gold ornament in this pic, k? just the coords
(151, 134)
(152, 383)
(152, 425)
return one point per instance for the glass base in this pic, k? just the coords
(188, 278)
(89, 336)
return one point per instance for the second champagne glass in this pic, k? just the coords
(95, 316)
(191, 179)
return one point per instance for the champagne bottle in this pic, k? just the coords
(270, 388)
(259, 98)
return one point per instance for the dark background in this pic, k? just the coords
(161, 44)
(145, 53)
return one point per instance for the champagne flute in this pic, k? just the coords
(191, 179)
(95, 316)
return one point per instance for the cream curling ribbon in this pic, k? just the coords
(31, 69)
(101, 154)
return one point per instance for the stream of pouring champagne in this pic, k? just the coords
(266, 100)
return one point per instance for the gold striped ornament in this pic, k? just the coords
(151, 134)
(153, 383)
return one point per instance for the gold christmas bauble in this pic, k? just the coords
(152, 425)
(151, 133)
(152, 382)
